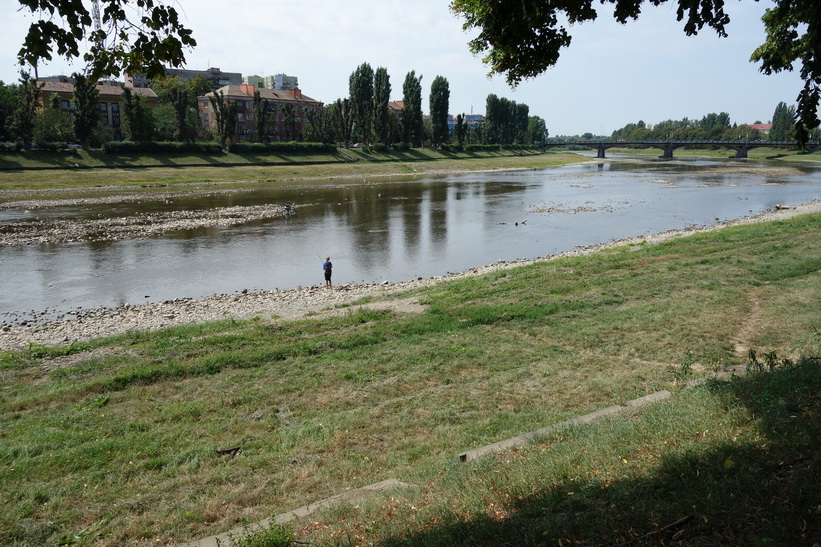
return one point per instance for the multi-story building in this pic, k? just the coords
(290, 111)
(282, 82)
(217, 77)
(254, 80)
(472, 121)
(111, 96)
(398, 109)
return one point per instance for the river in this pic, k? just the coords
(391, 231)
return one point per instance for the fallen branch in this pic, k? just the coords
(671, 526)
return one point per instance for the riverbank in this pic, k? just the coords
(20, 331)
(159, 438)
(97, 172)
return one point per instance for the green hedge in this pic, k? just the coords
(44, 146)
(154, 147)
(482, 147)
(281, 147)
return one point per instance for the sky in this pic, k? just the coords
(611, 74)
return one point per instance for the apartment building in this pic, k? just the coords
(217, 77)
(290, 110)
(282, 82)
(111, 97)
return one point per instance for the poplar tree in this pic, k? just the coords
(381, 98)
(225, 117)
(342, 121)
(360, 87)
(439, 103)
(262, 117)
(412, 129)
(783, 121)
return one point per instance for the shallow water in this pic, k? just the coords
(389, 231)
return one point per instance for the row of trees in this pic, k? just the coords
(714, 126)
(363, 117)
(366, 117)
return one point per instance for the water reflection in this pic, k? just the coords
(389, 231)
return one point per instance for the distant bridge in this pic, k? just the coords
(741, 147)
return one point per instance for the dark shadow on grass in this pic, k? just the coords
(764, 492)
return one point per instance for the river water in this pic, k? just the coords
(392, 231)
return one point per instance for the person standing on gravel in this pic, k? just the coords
(327, 267)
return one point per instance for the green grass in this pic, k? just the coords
(122, 447)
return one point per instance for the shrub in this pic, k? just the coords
(281, 147)
(154, 147)
(482, 148)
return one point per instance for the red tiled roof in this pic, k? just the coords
(760, 126)
(106, 90)
(246, 91)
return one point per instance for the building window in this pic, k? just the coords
(103, 107)
(115, 120)
(65, 105)
(115, 108)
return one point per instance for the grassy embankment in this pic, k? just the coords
(46, 170)
(120, 446)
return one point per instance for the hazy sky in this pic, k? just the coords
(611, 74)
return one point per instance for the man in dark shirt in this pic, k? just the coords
(327, 267)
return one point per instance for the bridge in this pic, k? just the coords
(667, 147)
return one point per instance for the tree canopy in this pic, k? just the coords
(523, 38)
(135, 36)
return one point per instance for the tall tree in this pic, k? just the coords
(52, 124)
(225, 117)
(9, 99)
(494, 119)
(138, 121)
(86, 108)
(21, 123)
(136, 36)
(320, 125)
(521, 114)
(262, 117)
(342, 121)
(461, 129)
(413, 131)
(783, 122)
(181, 98)
(523, 39)
(289, 122)
(439, 104)
(381, 98)
(536, 130)
(360, 87)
